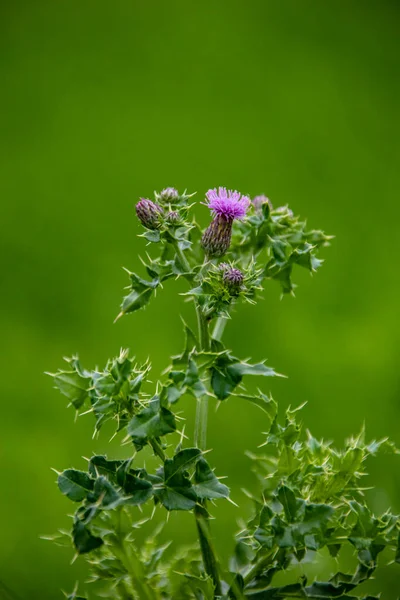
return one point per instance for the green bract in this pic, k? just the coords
(310, 498)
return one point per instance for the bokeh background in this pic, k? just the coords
(102, 102)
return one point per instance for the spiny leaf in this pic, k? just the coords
(73, 385)
(154, 421)
(139, 296)
(84, 540)
(76, 485)
(206, 483)
(177, 492)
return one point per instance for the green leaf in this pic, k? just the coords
(206, 483)
(177, 492)
(180, 361)
(154, 421)
(293, 507)
(105, 494)
(141, 292)
(182, 461)
(204, 585)
(266, 403)
(84, 540)
(180, 497)
(76, 485)
(73, 385)
(192, 380)
(152, 235)
(135, 483)
(242, 368)
(228, 372)
(100, 465)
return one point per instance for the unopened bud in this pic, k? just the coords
(233, 279)
(149, 213)
(173, 217)
(169, 193)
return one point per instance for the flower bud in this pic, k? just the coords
(233, 280)
(173, 217)
(169, 193)
(217, 237)
(149, 213)
(259, 201)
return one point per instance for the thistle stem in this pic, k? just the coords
(200, 439)
(157, 448)
(200, 431)
(219, 328)
(259, 567)
(131, 563)
(183, 260)
(204, 335)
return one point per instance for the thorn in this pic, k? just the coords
(232, 502)
(121, 314)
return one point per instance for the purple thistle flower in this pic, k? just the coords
(233, 279)
(169, 193)
(226, 206)
(149, 213)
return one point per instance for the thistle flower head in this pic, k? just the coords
(149, 213)
(227, 204)
(169, 193)
(233, 279)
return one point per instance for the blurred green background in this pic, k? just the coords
(103, 102)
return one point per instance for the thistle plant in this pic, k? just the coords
(308, 498)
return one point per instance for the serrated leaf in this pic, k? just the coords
(177, 492)
(73, 385)
(76, 485)
(154, 421)
(105, 494)
(228, 372)
(266, 403)
(152, 235)
(100, 465)
(84, 540)
(206, 483)
(182, 461)
(141, 292)
(204, 585)
(242, 368)
(293, 507)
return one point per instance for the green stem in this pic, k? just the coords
(183, 260)
(157, 448)
(204, 335)
(207, 549)
(132, 564)
(200, 430)
(200, 437)
(259, 567)
(219, 328)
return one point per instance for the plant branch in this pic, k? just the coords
(183, 260)
(131, 563)
(219, 328)
(259, 567)
(200, 438)
(157, 448)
